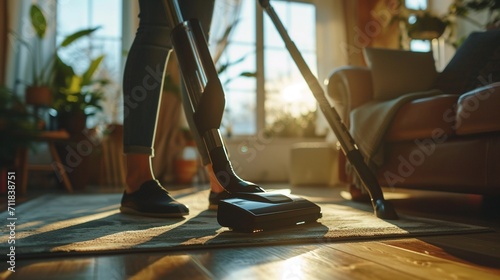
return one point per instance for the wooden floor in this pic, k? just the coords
(465, 256)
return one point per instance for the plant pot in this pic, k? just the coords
(185, 170)
(38, 96)
(426, 28)
(73, 122)
(186, 164)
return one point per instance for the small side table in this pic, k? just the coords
(51, 138)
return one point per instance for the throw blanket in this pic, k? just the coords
(370, 122)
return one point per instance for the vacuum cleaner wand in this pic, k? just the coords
(205, 94)
(382, 208)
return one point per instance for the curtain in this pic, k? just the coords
(19, 62)
(225, 17)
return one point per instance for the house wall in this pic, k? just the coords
(369, 24)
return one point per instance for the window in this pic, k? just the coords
(287, 95)
(417, 45)
(416, 4)
(76, 15)
(252, 103)
(280, 95)
(240, 54)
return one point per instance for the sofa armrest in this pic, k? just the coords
(478, 110)
(350, 87)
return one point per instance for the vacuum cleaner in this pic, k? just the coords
(249, 207)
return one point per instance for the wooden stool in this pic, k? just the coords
(51, 138)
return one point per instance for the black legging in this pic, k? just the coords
(144, 69)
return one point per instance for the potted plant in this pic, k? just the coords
(77, 96)
(426, 26)
(39, 92)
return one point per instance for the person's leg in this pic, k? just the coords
(138, 171)
(142, 86)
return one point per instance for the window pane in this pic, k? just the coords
(416, 4)
(240, 90)
(420, 45)
(107, 14)
(71, 16)
(76, 15)
(288, 99)
(239, 115)
(286, 93)
(300, 21)
(239, 59)
(286, 90)
(245, 27)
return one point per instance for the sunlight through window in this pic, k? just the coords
(286, 92)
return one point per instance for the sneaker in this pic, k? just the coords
(152, 200)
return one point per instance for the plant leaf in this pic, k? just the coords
(94, 64)
(38, 21)
(63, 73)
(77, 35)
(74, 87)
(248, 74)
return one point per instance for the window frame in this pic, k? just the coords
(260, 81)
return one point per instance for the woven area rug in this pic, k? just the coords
(92, 224)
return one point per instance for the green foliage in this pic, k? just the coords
(78, 92)
(43, 75)
(38, 21)
(287, 125)
(72, 92)
(17, 126)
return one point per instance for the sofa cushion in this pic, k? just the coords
(397, 72)
(423, 118)
(476, 63)
(479, 111)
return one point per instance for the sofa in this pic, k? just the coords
(423, 129)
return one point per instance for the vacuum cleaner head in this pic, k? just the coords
(253, 212)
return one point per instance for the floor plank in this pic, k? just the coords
(56, 269)
(162, 267)
(414, 263)
(482, 250)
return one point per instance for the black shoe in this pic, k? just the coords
(152, 200)
(214, 198)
